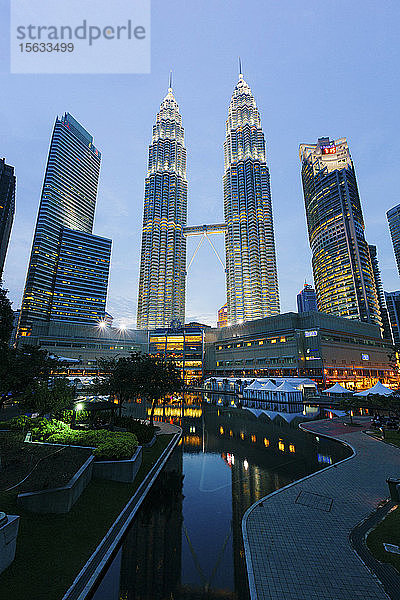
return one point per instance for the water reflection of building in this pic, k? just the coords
(184, 345)
(262, 456)
(151, 555)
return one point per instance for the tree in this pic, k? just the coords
(43, 398)
(118, 379)
(21, 367)
(6, 317)
(349, 403)
(389, 403)
(139, 375)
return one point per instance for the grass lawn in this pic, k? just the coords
(386, 532)
(392, 436)
(51, 549)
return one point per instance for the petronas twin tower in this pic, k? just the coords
(251, 274)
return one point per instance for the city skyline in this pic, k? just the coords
(272, 69)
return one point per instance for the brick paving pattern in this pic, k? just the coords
(297, 542)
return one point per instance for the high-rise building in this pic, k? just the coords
(80, 288)
(341, 262)
(307, 299)
(108, 319)
(67, 204)
(393, 307)
(386, 329)
(162, 276)
(7, 208)
(393, 217)
(251, 273)
(223, 316)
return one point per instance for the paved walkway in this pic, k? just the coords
(297, 539)
(166, 428)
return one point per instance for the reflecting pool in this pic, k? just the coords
(186, 540)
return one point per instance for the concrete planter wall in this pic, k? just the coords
(119, 470)
(150, 443)
(8, 541)
(61, 499)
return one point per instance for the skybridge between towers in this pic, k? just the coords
(204, 231)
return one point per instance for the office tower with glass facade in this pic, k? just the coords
(307, 299)
(386, 329)
(393, 217)
(7, 208)
(223, 316)
(393, 307)
(68, 202)
(341, 262)
(251, 273)
(162, 276)
(80, 288)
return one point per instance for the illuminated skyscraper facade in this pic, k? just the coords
(393, 217)
(68, 202)
(341, 261)
(251, 273)
(393, 306)
(307, 299)
(80, 287)
(162, 276)
(7, 208)
(386, 329)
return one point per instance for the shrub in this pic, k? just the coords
(108, 445)
(82, 416)
(143, 432)
(118, 447)
(22, 423)
(46, 428)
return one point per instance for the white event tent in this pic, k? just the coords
(337, 389)
(378, 388)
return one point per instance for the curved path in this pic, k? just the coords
(297, 539)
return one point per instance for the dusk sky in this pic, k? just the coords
(316, 69)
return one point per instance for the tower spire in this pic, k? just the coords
(170, 82)
(240, 68)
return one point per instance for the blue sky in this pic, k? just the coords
(316, 69)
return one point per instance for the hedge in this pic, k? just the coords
(143, 432)
(109, 445)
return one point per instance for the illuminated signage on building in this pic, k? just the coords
(312, 333)
(331, 149)
(365, 356)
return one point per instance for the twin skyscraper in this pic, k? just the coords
(251, 274)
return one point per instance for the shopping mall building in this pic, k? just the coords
(315, 345)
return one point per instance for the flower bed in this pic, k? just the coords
(108, 445)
